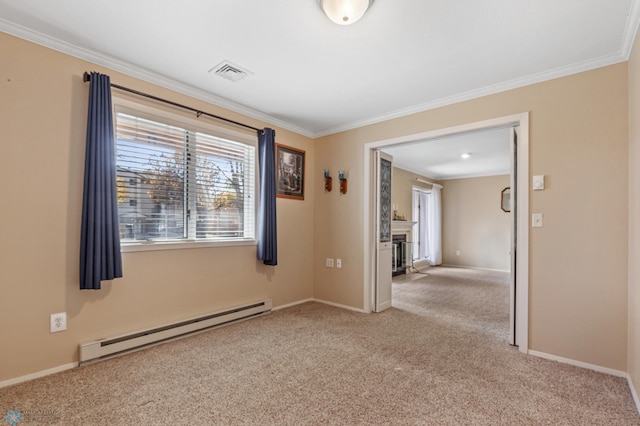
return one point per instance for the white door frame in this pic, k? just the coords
(522, 266)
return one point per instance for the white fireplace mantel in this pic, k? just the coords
(402, 227)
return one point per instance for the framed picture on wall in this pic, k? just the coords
(289, 172)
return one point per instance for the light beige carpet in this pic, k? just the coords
(468, 298)
(425, 362)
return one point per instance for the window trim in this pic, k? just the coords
(126, 106)
(130, 247)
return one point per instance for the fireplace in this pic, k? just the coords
(399, 254)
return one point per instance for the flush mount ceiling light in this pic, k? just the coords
(465, 155)
(344, 12)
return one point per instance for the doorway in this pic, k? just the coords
(520, 285)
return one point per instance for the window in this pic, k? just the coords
(422, 207)
(179, 184)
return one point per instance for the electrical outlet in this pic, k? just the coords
(58, 322)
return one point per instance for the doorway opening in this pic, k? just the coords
(520, 247)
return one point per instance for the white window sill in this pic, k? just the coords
(128, 247)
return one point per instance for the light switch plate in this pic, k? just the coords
(536, 220)
(538, 182)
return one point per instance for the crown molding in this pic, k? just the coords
(629, 35)
(412, 171)
(452, 177)
(142, 74)
(630, 29)
(478, 93)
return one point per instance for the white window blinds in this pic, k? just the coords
(178, 184)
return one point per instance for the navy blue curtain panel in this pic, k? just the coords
(100, 257)
(267, 226)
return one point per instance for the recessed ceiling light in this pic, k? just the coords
(465, 155)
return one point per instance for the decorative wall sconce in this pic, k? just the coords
(343, 182)
(328, 182)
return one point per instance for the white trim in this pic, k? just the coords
(140, 108)
(498, 122)
(111, 62)
(324, 302)
(478, 93)
(422, 263)
(522, 269)
(415, 172)
(593, 367)
(630, 30)
(142, 74)
(71, 365)
(633, 392)
(38, 374)
(522, 257)
(122, 105)
(586, 365)
(442, 179)
(291, 305)
(474, 267)
(130, 247)
(473, 175)
(338, 305)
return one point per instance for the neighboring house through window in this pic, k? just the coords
(181, 181)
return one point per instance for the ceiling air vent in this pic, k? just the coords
(226, 69)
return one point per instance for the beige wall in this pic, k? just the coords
(402, 183)
(43, 120)
(578, 261)
(474, 224)
(337, 230)
(634, 217)
(472, 220)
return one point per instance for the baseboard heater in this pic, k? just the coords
(107, 348)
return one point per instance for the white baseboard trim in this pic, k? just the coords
(60, 368)
(290, 305)
(474, 267)
(38, 374)
(593, 367)
(634, 393)
(337, 305)
(324, 302)
(588, 366)
(420, 263)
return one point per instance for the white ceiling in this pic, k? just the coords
(441, 158)
(314, 77)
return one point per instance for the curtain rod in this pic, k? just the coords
(87, 77)
(424, 181)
